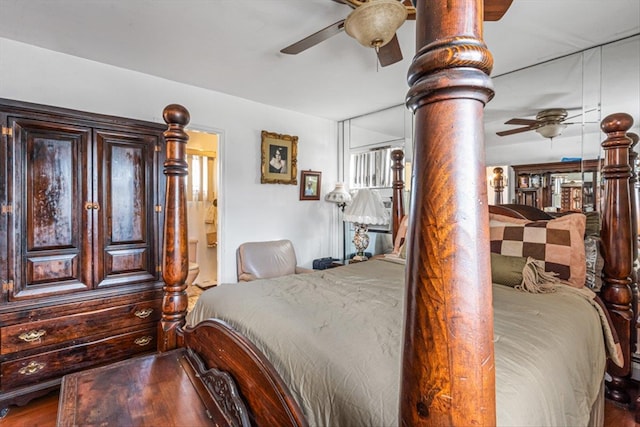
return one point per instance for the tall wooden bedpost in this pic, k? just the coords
(448, 373)
(618, 259)
(635, 204)
(498, 185)
(176, 263)
(398, 186)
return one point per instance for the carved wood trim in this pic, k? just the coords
(176, 263)
(448, 363)
(217, 390)
(263, 391)
(617, 237)
(397, 210)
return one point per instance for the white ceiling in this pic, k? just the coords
(232, 46)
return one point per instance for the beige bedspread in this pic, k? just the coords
(335, 338)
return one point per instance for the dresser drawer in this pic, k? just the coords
(40, 333)
(33, 369)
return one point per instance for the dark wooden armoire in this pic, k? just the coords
(81, 199)
(535, 185)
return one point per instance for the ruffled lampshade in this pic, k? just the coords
(367, 209)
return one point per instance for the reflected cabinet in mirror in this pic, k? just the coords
(572, 186)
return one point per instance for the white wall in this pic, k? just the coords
(248, 210)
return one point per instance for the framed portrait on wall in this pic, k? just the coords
(310, 185)
(279, 158)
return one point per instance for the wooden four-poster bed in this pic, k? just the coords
(448, 369)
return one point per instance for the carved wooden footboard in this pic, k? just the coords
(238, 365)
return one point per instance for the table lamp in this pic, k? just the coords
(365, 210)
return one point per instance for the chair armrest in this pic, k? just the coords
(300, 270)
(246, 277)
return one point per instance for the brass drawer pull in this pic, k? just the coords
(32, 368)
(142, 341)
(32, 335)
(144, 313)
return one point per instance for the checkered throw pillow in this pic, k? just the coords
(558, 242)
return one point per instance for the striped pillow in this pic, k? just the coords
(557, 242)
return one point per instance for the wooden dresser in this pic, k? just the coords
(535, 185)
(80, 243)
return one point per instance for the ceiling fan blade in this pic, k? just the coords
(585, 112)
(351, 3)
(514, 131)
(494, 10)
(314, 38)
(390, 53)
(525, 122)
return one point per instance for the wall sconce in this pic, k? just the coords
(339, 196)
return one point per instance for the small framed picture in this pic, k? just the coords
(279, 158)
(310, 185)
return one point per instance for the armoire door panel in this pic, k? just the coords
(51, 241)
(125, 177)
(57, 267)
(51, 186)
(127, 180)
(126, 260)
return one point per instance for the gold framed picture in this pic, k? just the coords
(279, 158)
(310, 185)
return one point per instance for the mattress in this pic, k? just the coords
(335, 337)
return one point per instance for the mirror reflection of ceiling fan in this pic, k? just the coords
(373, 23)
(549, 123)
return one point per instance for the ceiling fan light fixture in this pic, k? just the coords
(374, 23)
(551, 130)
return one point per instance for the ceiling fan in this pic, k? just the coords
(549, 123)
(373, 23)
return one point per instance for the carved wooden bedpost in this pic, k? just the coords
(398, 186)
(498, 185)
(635, 204)
(176, 263)
(448, 375)
(635, 220)
(617, 215)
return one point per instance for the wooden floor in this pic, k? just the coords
(42, 412)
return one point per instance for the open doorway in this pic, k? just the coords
(202, 208)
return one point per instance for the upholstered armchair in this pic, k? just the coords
(265, 260)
